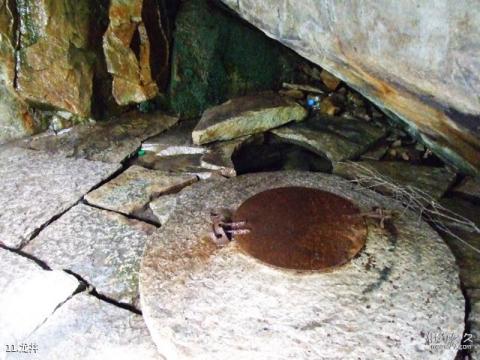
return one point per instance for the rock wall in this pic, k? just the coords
(419, 60)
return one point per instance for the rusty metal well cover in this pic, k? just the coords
(301, 228)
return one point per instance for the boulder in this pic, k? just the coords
(245, 116)
(396, 55)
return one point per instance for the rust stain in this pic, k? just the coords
(430, 120)
(301, 228)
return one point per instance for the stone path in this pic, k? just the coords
(78, 210)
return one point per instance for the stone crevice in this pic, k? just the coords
(84, 285)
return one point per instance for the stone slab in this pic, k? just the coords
(37, 186)
(110, 141)
(182, 163)
(103, 247)
(207, 302)
(434, 181)
(131, 191)
(28, 296)
(335, 138)
(246, 115)
(88, 328)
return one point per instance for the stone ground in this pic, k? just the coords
(77, 211)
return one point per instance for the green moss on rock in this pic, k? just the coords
(217, 56)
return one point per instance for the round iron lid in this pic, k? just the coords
(301, 228)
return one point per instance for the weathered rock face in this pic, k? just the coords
(216, 57)
(397, 55)
(15, 119)
(54, 65)
(130, 46)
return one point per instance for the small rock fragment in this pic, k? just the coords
(328, 107)
(330, 80)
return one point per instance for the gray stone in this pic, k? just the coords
(103, 247)
(396, 55)
(203, 301)
(184, 163)
(245, 116)
(175, 141)
(335, 138)
(469, 188)
(109, 141)
(88, 328)
(433, 181)
(131, 191)
(37, 186)
(28, 296)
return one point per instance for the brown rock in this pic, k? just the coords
(133, 81)
(328, 107)
(330, 80)
(55, 63)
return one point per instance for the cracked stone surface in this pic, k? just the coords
(207, 302)
(88, 328)
(335, 138)
(28, 295)
(101, 246)
(109, 141)
(131, 191)
(434, 181)
(245, 116)
(37, 186)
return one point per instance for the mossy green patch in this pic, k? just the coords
(217, 56)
